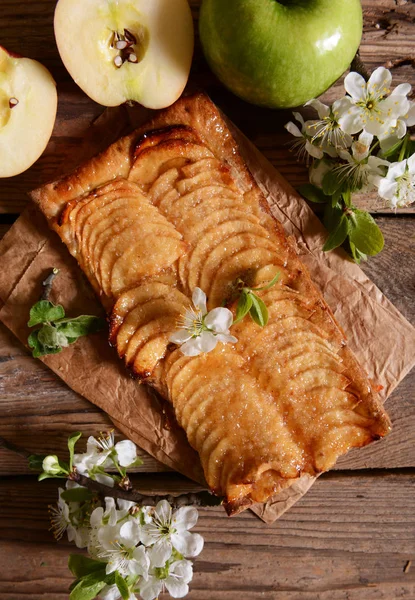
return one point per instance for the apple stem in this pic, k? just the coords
(359, 67)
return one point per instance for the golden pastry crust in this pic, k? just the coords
(299, 398)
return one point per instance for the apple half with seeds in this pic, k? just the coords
(126, 50)
(28, 104)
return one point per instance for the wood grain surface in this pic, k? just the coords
(352, 536)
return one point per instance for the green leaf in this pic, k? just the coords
(357, 256)
(44, 475)
(259, 311)
(364, 233)
(50, 337)
(82, 325)
(36, 461)
(269, 285)
(79, 494)
(347, 198)
(72, 439)
(243, 307)
(313, 193)
(332, 181)
(39, 349)
(337, 237)
(44, 311)
(122, 586)
(89, 586)
(392, 150)
(332, 216)
(81, 565)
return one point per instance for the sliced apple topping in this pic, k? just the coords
(119, 50)
(28, 103)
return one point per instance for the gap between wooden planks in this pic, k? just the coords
(349, 538)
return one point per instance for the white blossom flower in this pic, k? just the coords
(61, 521)
(319, 169)
(111, 592)
(98, 454)
(118, 547)
(169, 530)
(200, 331)
(51, 465)
(361, 170)
(399, 184)
(369, 106)
(326, 131)
(175, 578)
(392, 136)
(303, 146)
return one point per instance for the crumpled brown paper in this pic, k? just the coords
(378, 334)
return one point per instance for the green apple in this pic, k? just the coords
(279, 54)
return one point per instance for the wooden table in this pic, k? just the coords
(352, 536)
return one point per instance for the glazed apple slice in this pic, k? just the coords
(28, 103)
(122, 50)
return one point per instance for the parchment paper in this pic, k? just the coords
(379, 335)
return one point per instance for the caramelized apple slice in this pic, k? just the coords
(171, 132)
(162, 185)
(153, 161)
(201, 166)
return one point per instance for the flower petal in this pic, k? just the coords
(191, 347)
(410, 119)
(160, 553)
(199, 300)
(314, 151)
(219, 319)
(182, 569)
(355, 86)
(185, 518)
(293, 129)
(396, 169)
(180, 337)
(125, 504)
(379, 82)
(299, 117)
(351, 121)
(151, 589)
(104, 479)
(207, 341)
(175, 587)
(96, 517)
(387, 189)
(163, 512)
(130, 533)
(322, 109)
(403, 89)
(411, 164)
(126, 451)
(226, 339)
(188, 544)
(141, 562)
(110, 592)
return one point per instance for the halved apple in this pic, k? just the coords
(119, 50)
(28, 103)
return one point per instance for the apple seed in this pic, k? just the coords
(132, 58)
(13, 102)
(121, 45)
(118, 61)
(130, 37)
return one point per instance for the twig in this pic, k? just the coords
(48, 283)
(359, 66)
(13, 448)
(203, 498)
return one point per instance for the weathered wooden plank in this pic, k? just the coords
(388, 39)
(349, 537)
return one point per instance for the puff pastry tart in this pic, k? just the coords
(173, 207)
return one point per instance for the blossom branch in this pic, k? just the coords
(359, 66)
(203, 498)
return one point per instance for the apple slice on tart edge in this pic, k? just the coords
(119, 51)
(28, 104)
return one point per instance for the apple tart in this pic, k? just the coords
(172, 208)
